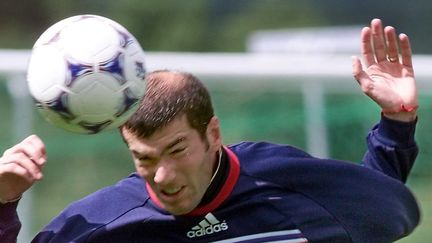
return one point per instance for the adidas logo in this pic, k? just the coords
(209, 225)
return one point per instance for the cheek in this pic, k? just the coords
(203, 171)
(142, 171)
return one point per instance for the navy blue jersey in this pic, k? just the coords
(271, 193)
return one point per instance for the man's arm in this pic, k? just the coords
(392, 149)
(20, 167)
(9, 222)
(388, 78)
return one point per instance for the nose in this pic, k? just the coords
(164, 175)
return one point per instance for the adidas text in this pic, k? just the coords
(208, 230)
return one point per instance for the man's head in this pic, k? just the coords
(169, 95)
(174, 138)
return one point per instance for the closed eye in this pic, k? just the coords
(178, 150)
(143, 159)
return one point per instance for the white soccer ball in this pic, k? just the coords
(86, 74)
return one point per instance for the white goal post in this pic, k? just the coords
(319, 73)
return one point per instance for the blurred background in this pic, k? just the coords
(279, 70)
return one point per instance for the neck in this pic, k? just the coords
(218, 164)
(219, 176)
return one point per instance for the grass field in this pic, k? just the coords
(422, 188)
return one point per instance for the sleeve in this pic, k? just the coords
(82, 218)
(9, 222)
(392, 149)
(369, 205)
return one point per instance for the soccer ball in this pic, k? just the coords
(86, 74)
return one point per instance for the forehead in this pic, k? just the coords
(178, 129)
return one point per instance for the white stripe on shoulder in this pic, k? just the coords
(286, 236)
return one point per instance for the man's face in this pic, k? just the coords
(176, 162)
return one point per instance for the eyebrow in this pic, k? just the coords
(175, 142)
(169, 146)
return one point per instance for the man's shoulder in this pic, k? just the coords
(95, 210)
(264, 159)
(126, 194)
(267, 150)
(288, 165)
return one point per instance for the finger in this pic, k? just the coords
(31, 166)
(17, 170)
(366, 46)
(406, 53)
(356, 67)
(37, 152)
(32, 146)
(357, 70)
(378, 40)
(392, 44)
(361, 76)
(22, 160)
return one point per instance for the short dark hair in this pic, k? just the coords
(170, 94)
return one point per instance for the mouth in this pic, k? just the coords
(172, 194)
(171, 191)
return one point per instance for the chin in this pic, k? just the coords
(180, 210)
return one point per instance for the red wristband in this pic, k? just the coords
(408, 108)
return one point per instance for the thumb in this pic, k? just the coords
(357, 71)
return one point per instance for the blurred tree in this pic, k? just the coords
(20, 23)
(233, 21)
(410, 17)
(212, 25)
(162, 25)
(166, 25)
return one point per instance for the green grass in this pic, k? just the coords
(422, 188)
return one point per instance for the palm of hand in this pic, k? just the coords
(391, 85)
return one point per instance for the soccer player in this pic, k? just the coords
(189, 187)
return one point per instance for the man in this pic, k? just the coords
(188, 187)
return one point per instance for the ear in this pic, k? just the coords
(214, 134)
